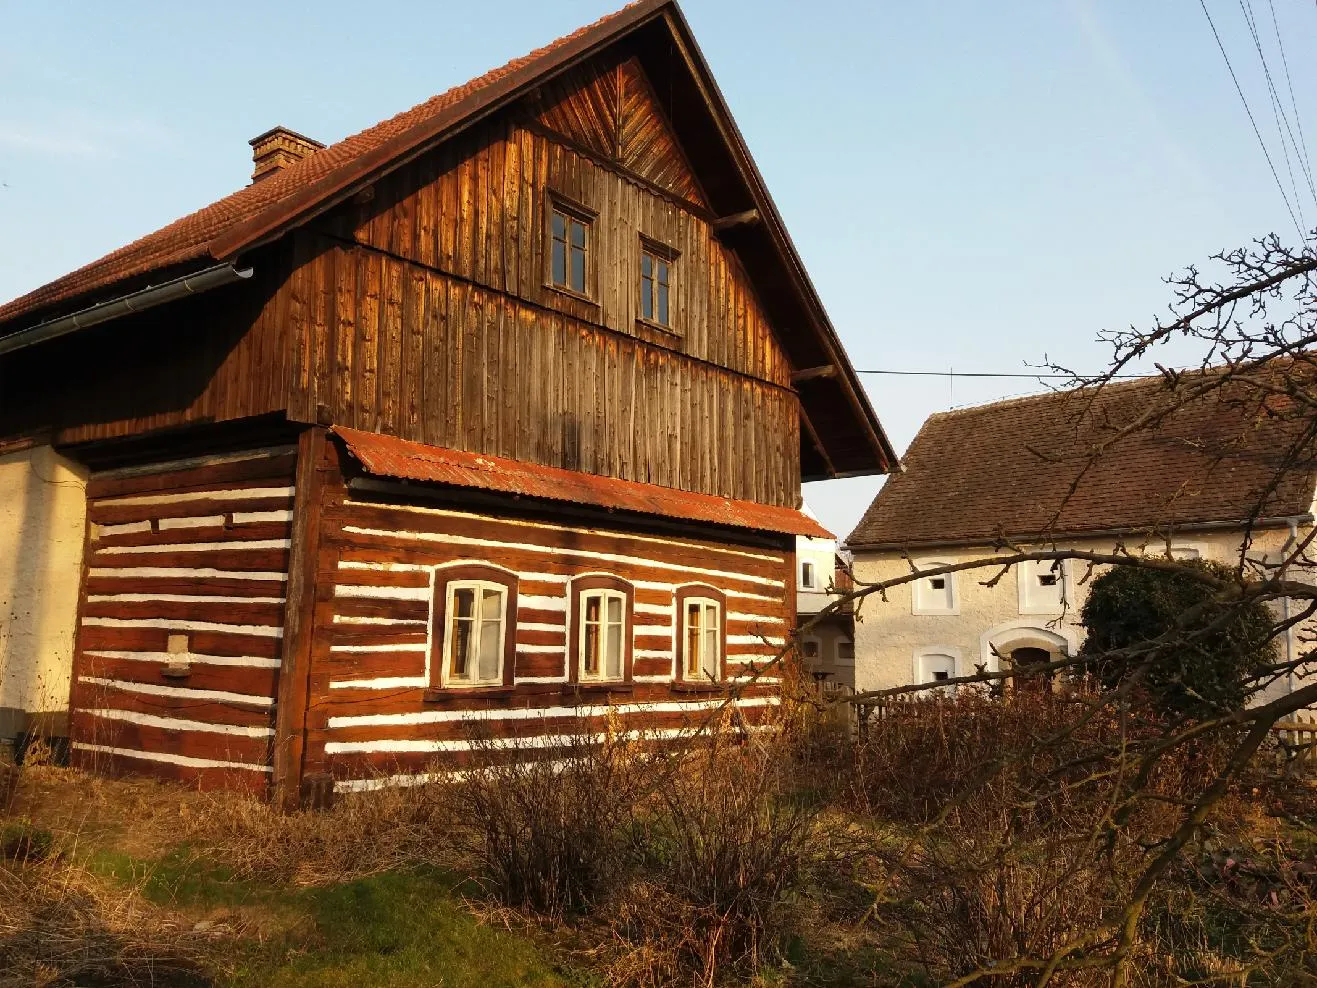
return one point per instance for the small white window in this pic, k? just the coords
(807, 576)
(474, 638)
(602, 630)
(1186, 552)
(1042, 586)
(936, 665)
(845, 651)
(934, 594)
(702, 637)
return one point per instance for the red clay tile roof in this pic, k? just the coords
(1008, 468)
(386, 456)
(229, 225)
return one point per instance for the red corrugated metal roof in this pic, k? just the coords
(386, 456)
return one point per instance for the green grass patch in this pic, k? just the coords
(403, 928)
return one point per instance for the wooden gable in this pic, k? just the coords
(608, 108)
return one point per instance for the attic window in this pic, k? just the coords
(569, 248)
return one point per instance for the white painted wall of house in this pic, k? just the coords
(892, 640)
(43, 508)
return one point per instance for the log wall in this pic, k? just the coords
(375, 712)
(197, 554)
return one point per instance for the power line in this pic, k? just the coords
(1249, 110)
(955, 373)
(1294, 103)
(1277, 109)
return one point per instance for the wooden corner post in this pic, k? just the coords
(299, 625)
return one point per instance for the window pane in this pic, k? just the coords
(615, 610)
(559, 227)
(592, 608)
(646, 265)
(489, 650)
(613, 651)
(646, 298)
(578, 234)
(692, 639)
(578, 270)
(663, 273)
(492, 605)
(663, 303)
(590, 661)
(559, 263)
(709, 659)
(464, 603)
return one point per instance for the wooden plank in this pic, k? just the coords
(299, 627)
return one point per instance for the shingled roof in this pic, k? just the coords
(1053, 465)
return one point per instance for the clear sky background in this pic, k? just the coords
(972, 185)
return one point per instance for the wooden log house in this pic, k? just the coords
(498, 409)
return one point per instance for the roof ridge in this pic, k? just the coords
(158, 248)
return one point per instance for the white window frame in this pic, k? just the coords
(923, 598)
(808, 566)
(1198, 548)
(702, 676)
(604, 595)
(445, 670)
(1026, 579)
(951, 652)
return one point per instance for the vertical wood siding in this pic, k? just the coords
(429, 357)
(197, 551)
(374, 640)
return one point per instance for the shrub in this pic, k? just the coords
(1209, 668)
(724, 854)
(550, 832)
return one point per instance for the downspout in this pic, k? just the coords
(147, 298)
(1285, 614)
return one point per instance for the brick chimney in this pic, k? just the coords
(278, 148)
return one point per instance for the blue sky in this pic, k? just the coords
(972, 185)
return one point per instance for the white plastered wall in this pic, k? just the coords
(42, 527)
(888, 637)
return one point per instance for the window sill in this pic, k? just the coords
(438, 695)
(570, 293)
(597, 688)
(682, 687)
(659, 335)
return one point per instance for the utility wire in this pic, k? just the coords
(1277, 109)
(955, 373)
(1249, 110)
(1294, 103)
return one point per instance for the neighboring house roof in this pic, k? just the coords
(842, 425)
(1053, 465)
(386, 456)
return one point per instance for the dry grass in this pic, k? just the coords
(62, 925)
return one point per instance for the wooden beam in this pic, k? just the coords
(745, 218)
(299, 611)
(811, 373)
(818, 443)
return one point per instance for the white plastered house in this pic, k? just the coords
(1023, 473)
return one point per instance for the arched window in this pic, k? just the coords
(475, 627)
(701, 637)
(601, 637)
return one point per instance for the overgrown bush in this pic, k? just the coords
(724, 854)
(551, 832)
(1219, 646)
